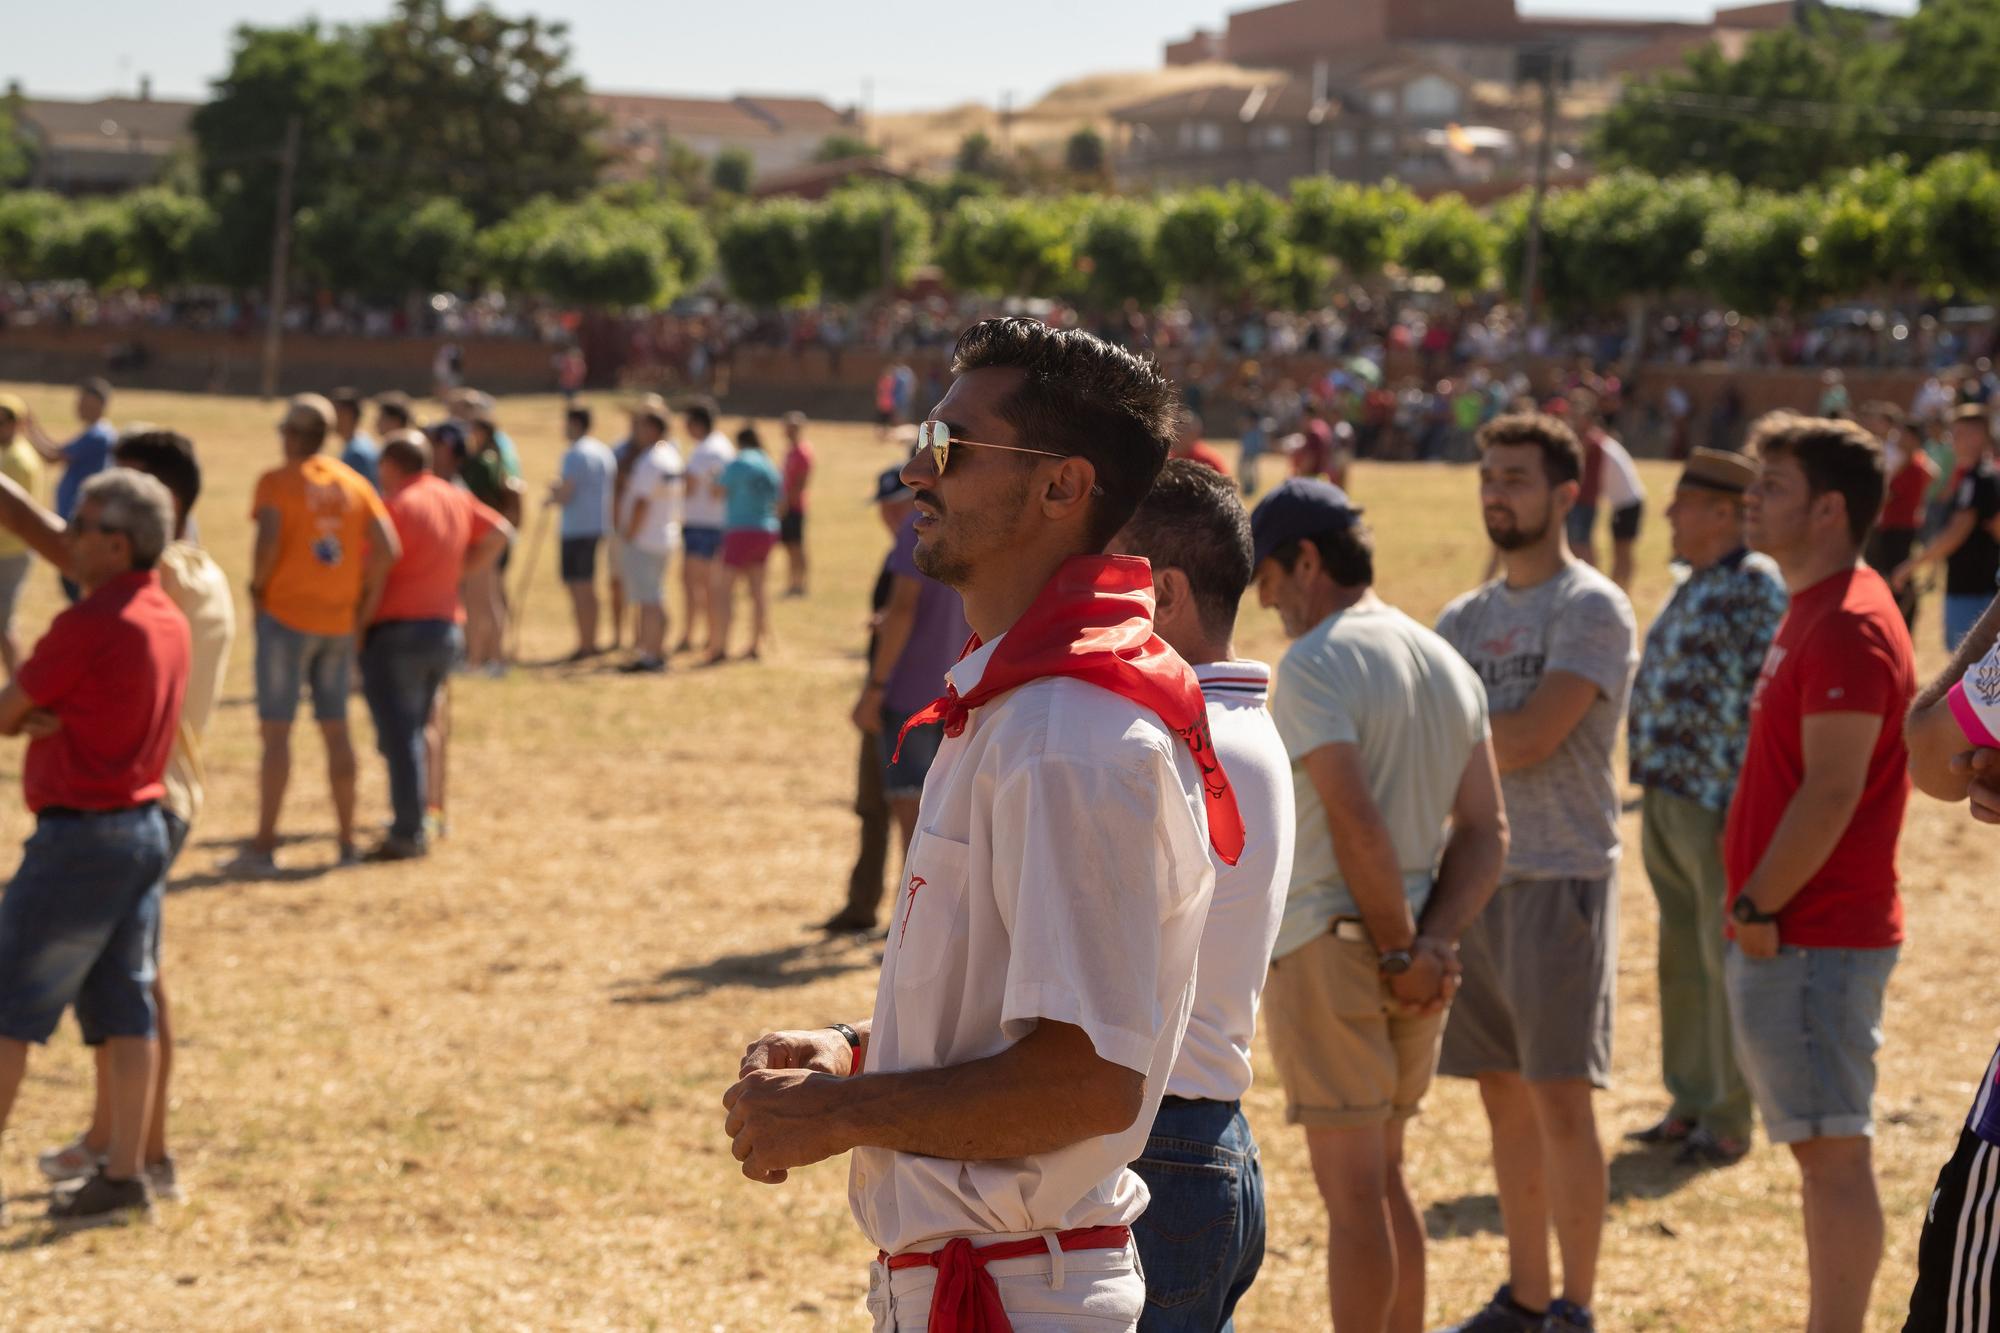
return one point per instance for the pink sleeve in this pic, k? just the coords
(1969, 720)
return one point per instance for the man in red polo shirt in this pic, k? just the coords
(101, 695)
(1810, 844)
(414, 637)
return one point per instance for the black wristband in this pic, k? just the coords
(853, 1037)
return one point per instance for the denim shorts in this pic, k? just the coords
(578, 560)
(1581, 521)
(1201, 1238)
(1807, 1025)
(903, 778)
(701, 543)
(79, 924)
(288, 659)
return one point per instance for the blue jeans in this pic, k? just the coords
(1961, 613)
(288, 659)
(1808, 1024)
(1201, 1238)
(79, 923)
(403, 665)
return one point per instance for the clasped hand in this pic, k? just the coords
(775, 1111)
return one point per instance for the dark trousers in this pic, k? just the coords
(1201, 1238)
(403, 665)
(1887, 548)
(864, 886)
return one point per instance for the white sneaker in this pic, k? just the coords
(72, 1161)
(163, 1182)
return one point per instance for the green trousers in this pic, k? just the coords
(1682, 845)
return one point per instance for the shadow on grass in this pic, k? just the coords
(1637, 1173)
(221, 873)
(795, 965)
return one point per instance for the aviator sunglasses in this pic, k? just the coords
(937, 437)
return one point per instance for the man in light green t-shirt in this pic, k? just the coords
(19, 461)
(1400, 844)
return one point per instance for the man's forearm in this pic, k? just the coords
(1799, 845)
(1366, 855)
(1978, 642)
(373, 581)
(1468, 874)
(23, 516)
(1008, 1105)
(1518, 742)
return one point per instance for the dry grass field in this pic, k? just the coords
(481, 1091)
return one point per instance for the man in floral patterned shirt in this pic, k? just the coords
(1690, 718)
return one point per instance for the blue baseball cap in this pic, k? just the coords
(1301, 507)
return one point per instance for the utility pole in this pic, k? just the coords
(281, 254)
(1545, 65)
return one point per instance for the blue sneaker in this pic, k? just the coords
(1568, 1317)
(1502, 1315)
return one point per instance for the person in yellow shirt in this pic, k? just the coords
(19, 462)
(324, 547)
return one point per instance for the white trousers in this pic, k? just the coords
(1075, 1291)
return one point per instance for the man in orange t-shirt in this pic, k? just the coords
(324, 548)
(414, 637)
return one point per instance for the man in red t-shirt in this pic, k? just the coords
(1911, 474)
(1810, 846)
(792, 511)
(101, 695)
(414, 638)
(1189, 443)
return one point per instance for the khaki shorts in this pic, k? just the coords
(1344, 1057)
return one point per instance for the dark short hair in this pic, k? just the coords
(348, 398)
(396, 405)
(1562, 453)
(98, 387)
(748, 438)
(1838, 457)
(1194, 521)
(578, 417)
(1347, 553)
(1083, 397)
(407, 455)
(1882, 408)
(166, 455)
(702, 410)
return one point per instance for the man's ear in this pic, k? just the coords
(1070, 484)
(1170, 592)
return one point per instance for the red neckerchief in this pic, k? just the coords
(1094, 621)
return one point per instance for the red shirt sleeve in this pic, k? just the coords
(1849, 667)
(485, 519)
(58, 662)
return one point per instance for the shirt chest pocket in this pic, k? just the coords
(927, 928)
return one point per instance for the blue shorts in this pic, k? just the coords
(1961, 613)
(903, 779)
(79, 924)
(1582, 519)
(1807, 1025)
(701, 543)
(289, 658)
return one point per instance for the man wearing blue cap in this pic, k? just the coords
(1400, 839)
(917, 631)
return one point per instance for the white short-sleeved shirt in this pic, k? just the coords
(196, 584)
(705, 508)
(1621, 487)
(655, 484)
(1249, 896)
(1060, 871)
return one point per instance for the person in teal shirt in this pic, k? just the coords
(751, 489)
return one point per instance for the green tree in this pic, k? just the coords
(92, 243)
(1869, 236)
(690, 244)
(1117, 260)
(17, 151)
(274, 74)
(1757, 256)
(1007, 247)
(1956, 201)
(851, 233)
(169, 235)
(841, 147)
(1945, 57)
(1354, 225)
(732, 171)
(1084, 153)
(977, 155)
(1221, 243)
(27, 219)
(1449, 240)
(766, 252)
(1800, 104)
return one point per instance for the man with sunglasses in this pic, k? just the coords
(1040, 962)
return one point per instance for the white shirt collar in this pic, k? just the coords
(966, 674)
(1241, 679)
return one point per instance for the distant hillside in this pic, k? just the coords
(929, 139)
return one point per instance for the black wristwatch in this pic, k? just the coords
(853, 1037)
(1395, 962)
(1746, 912)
